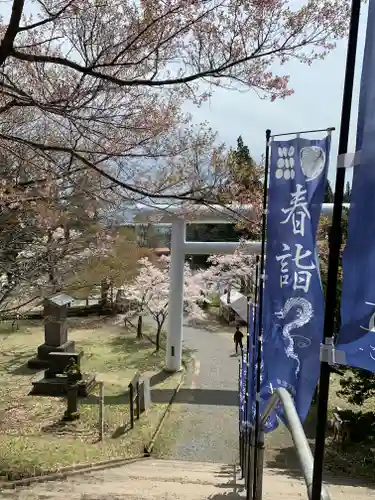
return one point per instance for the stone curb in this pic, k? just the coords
(64, 472)
(150, 446)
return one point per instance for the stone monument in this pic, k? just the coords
(57, 353)
(64, 371)
(55, 330)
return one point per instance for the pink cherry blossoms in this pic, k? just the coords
(233, 270)
(149, 291)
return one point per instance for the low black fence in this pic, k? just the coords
(134, 399)
(251, 440)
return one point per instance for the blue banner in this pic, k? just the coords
(293, 310)
(356, 337)
(243, 375)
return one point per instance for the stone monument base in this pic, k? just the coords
(41, 361)
(58, 387)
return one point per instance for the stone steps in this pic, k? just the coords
(174, 480)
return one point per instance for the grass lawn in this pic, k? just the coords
(33, 440)
(356, 460)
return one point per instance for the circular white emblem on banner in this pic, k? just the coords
(285, 163)
(313, 159)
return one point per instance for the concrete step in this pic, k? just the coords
(174, 480)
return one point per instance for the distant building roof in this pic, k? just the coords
(61, 299)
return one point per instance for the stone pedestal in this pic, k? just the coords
(54, 381)
(55, 331)
(57, 386)
(42, 361)
(45, 349)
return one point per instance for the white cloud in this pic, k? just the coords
(315, 104)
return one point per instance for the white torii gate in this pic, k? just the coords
(178, 216)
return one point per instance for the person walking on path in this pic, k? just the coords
(238, 336)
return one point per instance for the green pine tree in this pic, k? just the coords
(328, 193)
(347, 193)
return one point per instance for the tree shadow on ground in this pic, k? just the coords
(229, 495)
(20, 359)
(229, 472)
(287, 463)
(121, 431)
(197, 396)
(184, 396)
(58, 427)
(125, 343)
(129, 347)
(281, 454)
(91, 321)
(158, 378)
(119, 399)
(284, 458)
(212, 324)
(233, 490)
(25, 370)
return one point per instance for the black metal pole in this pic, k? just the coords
(260, 309)
(245, 430)
(250, 468)
(335, 239)
(240, 448)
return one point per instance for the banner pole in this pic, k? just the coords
(335, 239)
(329, 129)
(260, 309)
(245, 430)
(250, 468)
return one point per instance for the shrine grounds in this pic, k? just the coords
(34, 441)
(33, 438)
(355, 461)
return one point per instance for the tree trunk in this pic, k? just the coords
(104, 293)
(243, 286)
(158, 333)
(139, 328)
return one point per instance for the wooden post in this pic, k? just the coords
(137, 401)
(131, 397)
(101, 410)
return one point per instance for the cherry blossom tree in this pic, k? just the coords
(234, 270)
(47, 229)
(102, 84)
(149, 293)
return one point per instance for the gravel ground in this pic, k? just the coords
(202, 425)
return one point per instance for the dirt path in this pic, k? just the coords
(202, 425)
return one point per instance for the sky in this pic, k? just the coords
(315, 104)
